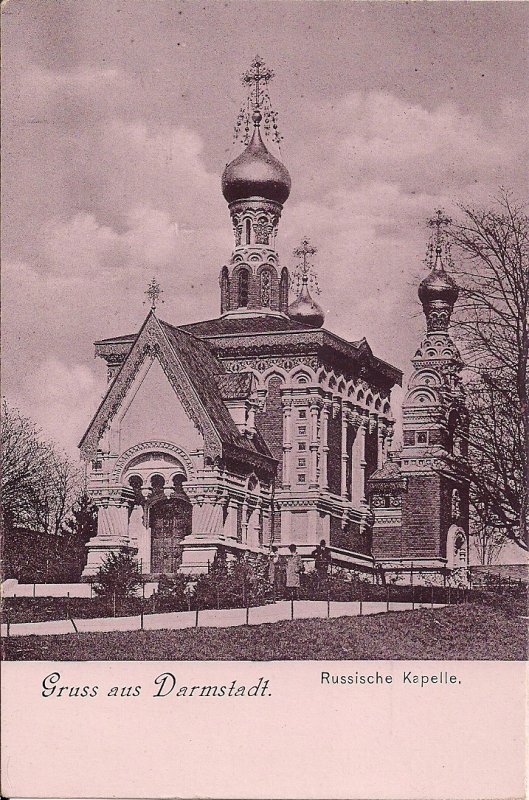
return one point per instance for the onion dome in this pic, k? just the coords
(256, 172)
(305, 310)
(438, 285)
(438, 293)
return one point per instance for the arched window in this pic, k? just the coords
(244, 280)
(248, 231)
(224, 290)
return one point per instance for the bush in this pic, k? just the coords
(118, 578)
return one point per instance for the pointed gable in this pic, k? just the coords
(192, 370)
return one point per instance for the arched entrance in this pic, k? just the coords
(169, 519)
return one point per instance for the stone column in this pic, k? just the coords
(114, 505)
(230, 524)
(207, 509)
(244, 523)
(325, 414)
(287, 442)
(359, 462)
(140, 537)
(382, 432)
(345, 453)
(314, 446)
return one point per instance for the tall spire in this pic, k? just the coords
(438, 292)
(255, 185)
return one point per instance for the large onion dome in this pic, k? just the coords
(256, 173)
(438, 286)
(305, 310)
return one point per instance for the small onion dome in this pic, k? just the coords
(438, 285)
(256, 173)
(305, 310)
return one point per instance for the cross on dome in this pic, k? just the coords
(304, 273)
(257, 107)
(304, 250)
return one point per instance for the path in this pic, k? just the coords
(212, 618)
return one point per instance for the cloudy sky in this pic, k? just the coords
(117, 125)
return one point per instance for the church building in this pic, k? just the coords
(260, 426)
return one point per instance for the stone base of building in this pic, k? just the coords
(421, 572)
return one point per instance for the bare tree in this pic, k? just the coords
(492, 322)
(39, 484)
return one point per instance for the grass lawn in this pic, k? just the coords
(464, 632)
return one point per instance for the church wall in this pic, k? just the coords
(388, 541)
(270, 423)
(421, 516)
(156, 413)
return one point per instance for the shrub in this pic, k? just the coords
(118, 578)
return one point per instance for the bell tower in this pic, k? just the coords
(255, 185)
(435, 420)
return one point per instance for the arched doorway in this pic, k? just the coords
(169, 520)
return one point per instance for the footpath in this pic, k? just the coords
(210, 618)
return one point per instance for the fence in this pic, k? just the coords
(257, 604)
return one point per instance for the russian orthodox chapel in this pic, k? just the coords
(260, 426)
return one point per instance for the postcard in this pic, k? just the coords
(271, 541)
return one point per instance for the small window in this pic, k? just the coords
(302, 430)
(302, 446)
(422, 437)
(302, 462)
(248, 231)
(302, 414)
(301, 478)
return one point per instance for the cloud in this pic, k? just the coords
(101, 193)
(61, 398)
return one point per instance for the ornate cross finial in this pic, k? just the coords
(303, 273)
(252, 78)
(304, 250)
(153, 293)
(438, 241)
(257, 107)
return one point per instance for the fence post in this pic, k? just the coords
(431, 597)
(449, 593)
(361, 599)
(218, 595)
(114, 601)
(91, 589)
(291, 603)
(328, 600)
(34, 590)
(387, 597)
(196, 616)
(8, 622)
(412, 597)
(141, 615)
(247, 613)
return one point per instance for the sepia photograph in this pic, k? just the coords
(305, 272)
(265, 421)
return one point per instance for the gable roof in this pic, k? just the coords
(193, 372)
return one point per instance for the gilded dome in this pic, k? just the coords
(438, 285)
(306, 310)
(256, 173)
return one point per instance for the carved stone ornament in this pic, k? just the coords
(152, 446)
(152, 343)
